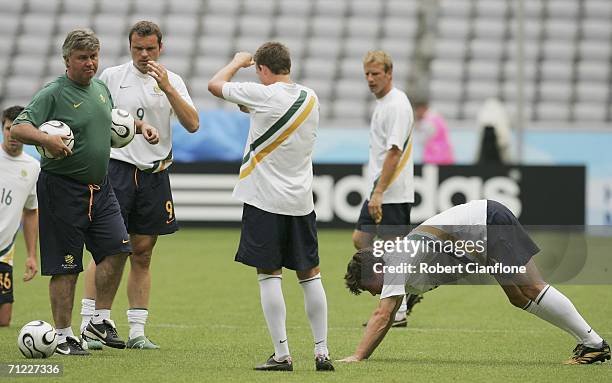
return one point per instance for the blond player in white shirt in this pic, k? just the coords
(275, 184)
(504, 243)
(138, 171)
(18, 175)
(386, 212)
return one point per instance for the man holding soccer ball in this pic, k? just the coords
(77, 204)
(139, 171)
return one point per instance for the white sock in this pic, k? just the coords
(557, 309)
(62, 333)
(100, 315)
(137, 318)
(315, 303)
(401, 312)
(87, 311)
(273, 305)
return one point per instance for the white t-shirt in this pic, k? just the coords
(18, 177)
(391, 125)
(276, 171)
(139, 94)
(465, 222)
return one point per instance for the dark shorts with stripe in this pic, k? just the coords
(145, 199)
(271, 241)
(6, 283)
(507, 241)
(72, 214)
(395, 221)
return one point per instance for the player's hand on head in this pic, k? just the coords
(150, 134)
(31, 268)
(159, 73)
(244, 59)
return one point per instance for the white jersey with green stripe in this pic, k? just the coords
(276, 170)
(391, 125)
(139, 94)
(18, 177)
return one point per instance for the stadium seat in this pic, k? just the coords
(590, 111)
(213, 47)
(12, 8)
(322, 88)
(593, 71)
(321, 47)
(453, 28)
(398, 28)
(155, 7)
(110, 24)
(483, 70)
(556, 70)
(21, 87)
(597, 92)
(290, 26)
(33, 45)
(445, 90)
(114, 7)
(491, 9)
(206, 66)
(296, 8)
(185, 7)
(555, 91)
(447, 69)
(563, 9)
(70, 21)
(398, 48)
(37, 23)
(449, 49)
(486, 49)
(598, 9)
(351, 89)
(29, 64)
(222, 7)
(322, 68)
(177, 64)
(352, 68)
(362, 27)
(157, 18)
(594, 50)
(556, 29)
(248, 43)
(558, 50)
(595, 29)
(510, 91)
(327, 26)
(43, 7)
(336, 8)
(490, 29)
(455, 8)
(358, 47)
(480, 90)
(181, 25)
(78, 7)
(402, 8)
(6, 48)
(449, 110)
(111, 47)
(552, 111)
(349, 112)
(365, 8)
(252, 26)
(260, 8)
(221, 26)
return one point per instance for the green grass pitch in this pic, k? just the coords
(205, 314)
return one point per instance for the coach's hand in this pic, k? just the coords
(243, 59)
(31, 268)
(350, 359)
(56, 146)
(375, 206)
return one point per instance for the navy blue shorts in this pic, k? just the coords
(6, 283)
(395, 221)
(145, 199)
(271, 241)
(71, 214)
(507, 241)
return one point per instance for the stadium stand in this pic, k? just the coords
(471, 51)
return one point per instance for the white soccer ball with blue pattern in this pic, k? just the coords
(37, 339)
(55, 128)
(123, 128)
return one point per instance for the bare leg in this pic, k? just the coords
(6, 310)
(108, 277)
(90, 281)
(61, 293)
(139, 277)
